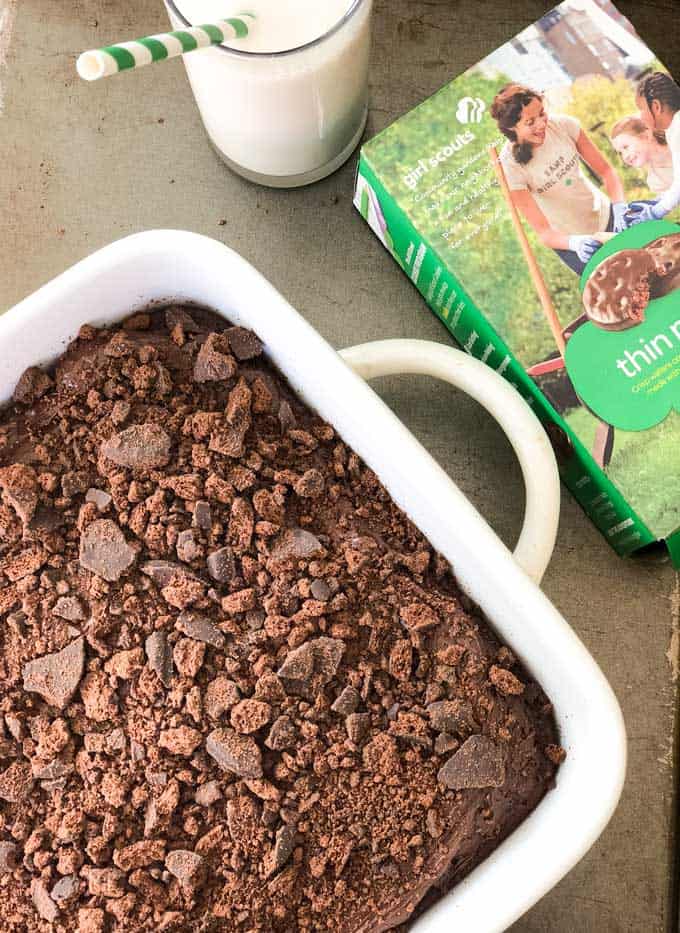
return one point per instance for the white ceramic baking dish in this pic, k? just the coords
(163, 266)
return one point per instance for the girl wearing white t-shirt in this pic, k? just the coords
(658, 98)
(542, 163)
(641, 148)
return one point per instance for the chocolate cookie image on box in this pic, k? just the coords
(618, 292)
(666, 255)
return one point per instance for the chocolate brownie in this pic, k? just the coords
(618, 292)
(239, 690)
(666, 255)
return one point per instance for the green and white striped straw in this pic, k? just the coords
(100, 63)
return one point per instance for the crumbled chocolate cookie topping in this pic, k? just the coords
(239, 691)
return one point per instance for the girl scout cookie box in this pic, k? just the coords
(533, 201)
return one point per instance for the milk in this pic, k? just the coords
(279, 110)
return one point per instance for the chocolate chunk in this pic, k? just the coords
(299, 663)
(245, 345)
(319, 657)
(9, 857)
(44, 904)
(208, 793)
(203, 516)
(287, 419)
(54, 770)
(229, 438)
(16, 782)
(320, 590)
(283, 849)
(104, 550)
(477, 763)
(176, 315)
(70, 608)
(200, 629)
(137, 751)
(32, 385)
(347, 702)
(297, 544)
(187, 867)
(56, 676)
(328, 654)
(221, 565)
(282, 734)
(65, 890)
(233, 752)
(159, 655)
(165, 572)
(214, 362)
(19, 486)
(455, 716)
(188, 546)
(139, 447)
(99, 497)
(358, 725)
(115, 740)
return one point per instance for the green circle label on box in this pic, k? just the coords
(630, 378)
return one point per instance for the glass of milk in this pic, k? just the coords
(287, 105)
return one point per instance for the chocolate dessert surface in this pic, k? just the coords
(618, 292)
(239, 689)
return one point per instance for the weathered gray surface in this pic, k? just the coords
(82, 165)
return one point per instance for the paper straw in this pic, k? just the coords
(100, 63)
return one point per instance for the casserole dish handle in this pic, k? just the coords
(522, 427)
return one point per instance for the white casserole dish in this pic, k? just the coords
(164, 266)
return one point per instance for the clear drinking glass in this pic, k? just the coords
(284, 119)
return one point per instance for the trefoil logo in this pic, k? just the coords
(470, 110)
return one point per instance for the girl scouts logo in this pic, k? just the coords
(470, 110)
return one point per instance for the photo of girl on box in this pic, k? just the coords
(658, 97)
(641, 148)
(542, 163)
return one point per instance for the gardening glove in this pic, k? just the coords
(640, 212)
(585, 247)
(620, 210)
